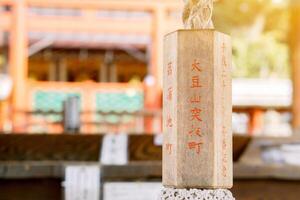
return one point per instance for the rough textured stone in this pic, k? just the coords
(195, 194)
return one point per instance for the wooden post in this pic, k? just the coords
(256, 121)
(103, 73)
(52, 71)
(153, 92)
(197, 150)
(113, 73)
(2, 115)
(18, 61)
(295, 61)
(63, 70)
(157, 43)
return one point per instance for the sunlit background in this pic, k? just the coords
(92, 69)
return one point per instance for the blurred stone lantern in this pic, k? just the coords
(5, 86)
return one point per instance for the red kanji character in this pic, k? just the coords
(195, 99)
(170, 93)
(196, 146)
(224, 159)
(196, 131)
(224, 171)
(223, 74)
(196, 114)
(223, 47)
(224, 129)
(196, 66)
(224, 144)
(223, 83)
(170, 70)
(195, 82)
(224, 62)
(169, 122)
(169, 148)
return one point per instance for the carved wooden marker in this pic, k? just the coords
(197, 150)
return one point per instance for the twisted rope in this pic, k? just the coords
(197, 14)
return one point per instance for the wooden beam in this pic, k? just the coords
(40, 147)
(84, 25)
(137, 5)
(18, 60)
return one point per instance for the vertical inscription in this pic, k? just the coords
(169, 123)
(197, 110)
(195, 139)
(224, 79)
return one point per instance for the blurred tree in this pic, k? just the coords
(259, 29)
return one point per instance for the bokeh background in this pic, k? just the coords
(81, 86)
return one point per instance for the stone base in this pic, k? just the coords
(195, 194)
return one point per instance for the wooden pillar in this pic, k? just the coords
(18, 62)
(103, 73)
(153, 91)
(113, 73)
(256, 121)
(107, 66)
(295, 61)
(5, 124)
(197, 109)
(52, 71)
(63, 70)
(158, 29)
(2, 116)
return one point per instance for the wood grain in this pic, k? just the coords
(50, 147)
(142, 148)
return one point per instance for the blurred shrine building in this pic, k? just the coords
(108, 54)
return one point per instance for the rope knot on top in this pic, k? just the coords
(197, 14)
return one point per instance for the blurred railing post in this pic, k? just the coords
(18, 62)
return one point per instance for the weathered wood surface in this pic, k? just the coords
(37, 180)
(31, 189)
(133, 171)
(40, 148)
(252, 165)
(139, 170)
(266, 189)
(146, 165)
(197, 150)
(142, 148)
(240, 144)
(49, 147)
(144, 158)
(49, 189)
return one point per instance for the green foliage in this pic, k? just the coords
(265, 57)
(259, 30)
